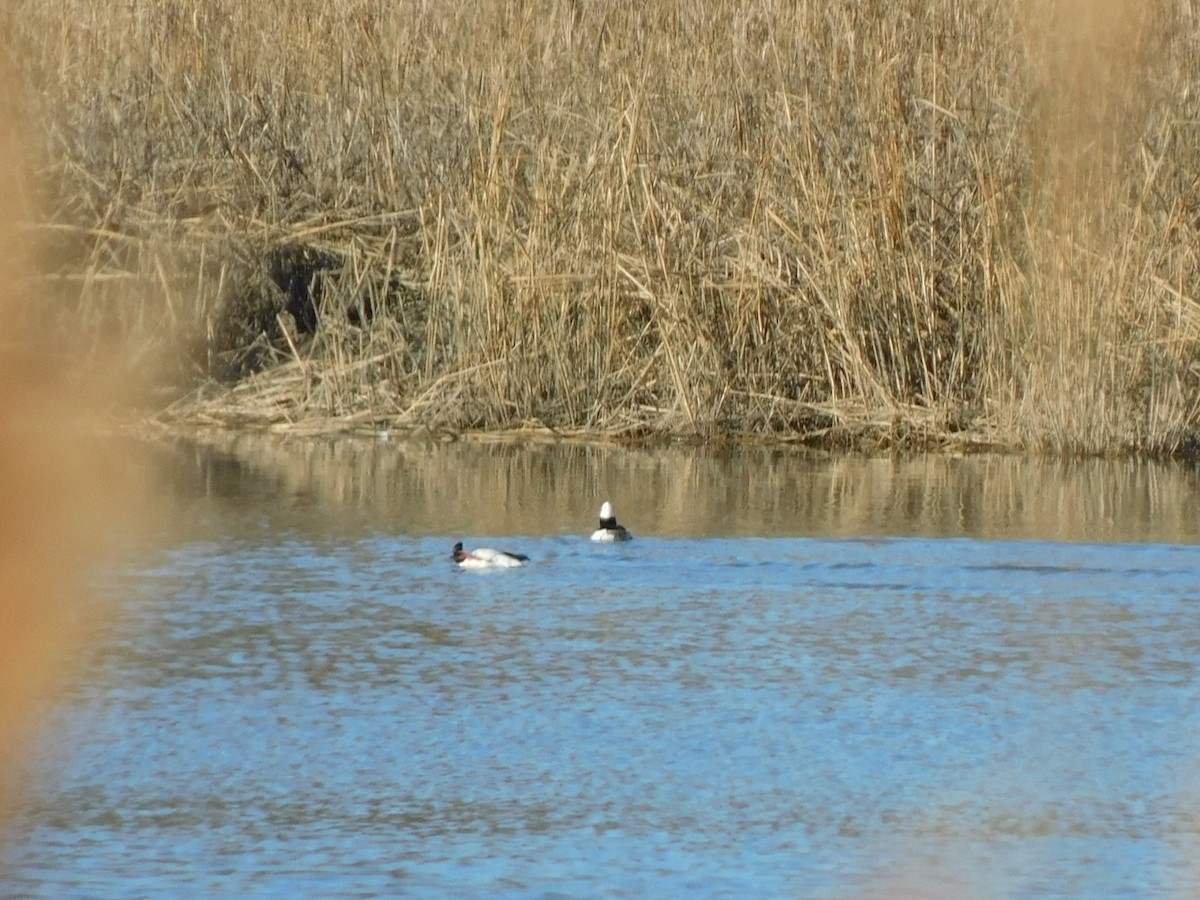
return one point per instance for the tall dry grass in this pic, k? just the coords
(906, 222)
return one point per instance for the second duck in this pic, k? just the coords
(609, 530)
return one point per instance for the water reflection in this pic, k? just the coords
(499, 488)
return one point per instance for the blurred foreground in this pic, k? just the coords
(60, 497)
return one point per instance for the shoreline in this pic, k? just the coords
(858, 439)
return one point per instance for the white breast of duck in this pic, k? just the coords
(609, 530)
(487, 558)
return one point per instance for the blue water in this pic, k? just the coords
(292, 706)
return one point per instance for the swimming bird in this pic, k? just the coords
(609, 530)
(486, 558)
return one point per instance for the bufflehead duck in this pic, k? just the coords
(486, 558)
(609, 530)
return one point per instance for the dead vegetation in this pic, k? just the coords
(918, 224)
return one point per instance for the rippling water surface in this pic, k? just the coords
(804, 677)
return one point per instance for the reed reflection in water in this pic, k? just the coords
(501, 488)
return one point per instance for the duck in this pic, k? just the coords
(609, 530)
(486, 558)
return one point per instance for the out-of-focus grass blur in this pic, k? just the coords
(59, 502)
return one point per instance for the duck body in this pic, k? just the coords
(486, 558)
(609, 531)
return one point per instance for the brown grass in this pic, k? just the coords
(915, 223)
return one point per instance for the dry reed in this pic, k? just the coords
(916, 223)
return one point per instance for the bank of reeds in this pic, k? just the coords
(900, 223)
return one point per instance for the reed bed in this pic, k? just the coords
(932, 224)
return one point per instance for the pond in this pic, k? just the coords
(806, 676)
